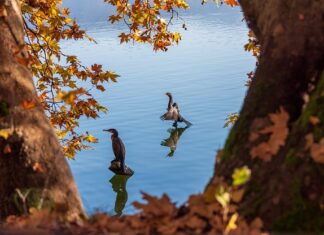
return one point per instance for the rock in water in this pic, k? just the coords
(115, 167)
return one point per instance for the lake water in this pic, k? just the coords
(206, 74)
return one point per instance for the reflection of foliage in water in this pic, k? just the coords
(172, 141)
(118, 184)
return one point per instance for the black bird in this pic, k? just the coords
(118, 148)
(173, 112)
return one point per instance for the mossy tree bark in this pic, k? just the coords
(33, 168)
(287, 191)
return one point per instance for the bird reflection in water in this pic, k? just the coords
(118, 184)
(172, 141)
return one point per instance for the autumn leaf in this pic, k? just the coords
(7, 149)
(316, 149)
(241, 175)
(231, 223)
(278, 133)
(38, 167)
(314, 120)
(156, 206)
(28, 104)
(232, 3)
(5, 133)
(237, 195)
(222, 196)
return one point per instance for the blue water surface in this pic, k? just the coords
(206, 74)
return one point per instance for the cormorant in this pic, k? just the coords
(118, 149)
(173, 112)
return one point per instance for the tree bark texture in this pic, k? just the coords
(33, 168)
(286, 191)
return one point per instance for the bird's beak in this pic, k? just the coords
(106, 130)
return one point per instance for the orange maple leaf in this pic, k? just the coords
(28, 104)
(232, 3)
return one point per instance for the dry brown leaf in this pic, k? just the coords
(317, 151)
(256, 223)
(262, 151)
(253, 136)
(169, 228)
(278, 133)
(38, 167)
(7, 149)
(194, 222)
(237, 195)
(314, 120)
(156, 206)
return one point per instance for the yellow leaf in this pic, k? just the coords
(222, 196)
(231, 224)
(92, 139)
(241, 175)
(5, 133)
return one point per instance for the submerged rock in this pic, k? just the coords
(115, 167)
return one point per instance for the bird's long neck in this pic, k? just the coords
(114, 135)
(170, 102)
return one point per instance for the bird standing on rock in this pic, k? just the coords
(173, 112)
(118, 149)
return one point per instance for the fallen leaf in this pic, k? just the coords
(7, 149)
(195, 223)
(241, 175)
(5, 133)
(278, 133)
(222, 196)
(237, 195)
(314, 120)
(231, 224)
(28, 104)
(38, 167)
(256, 223)
(317, 151)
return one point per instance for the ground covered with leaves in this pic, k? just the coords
(200, 215)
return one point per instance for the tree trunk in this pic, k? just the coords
(286, 187)
(34, 171)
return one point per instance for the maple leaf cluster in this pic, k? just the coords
(145, 22)
(59, 77)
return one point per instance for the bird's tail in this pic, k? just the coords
(163, 117)
(182, 119)
(122, 165)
